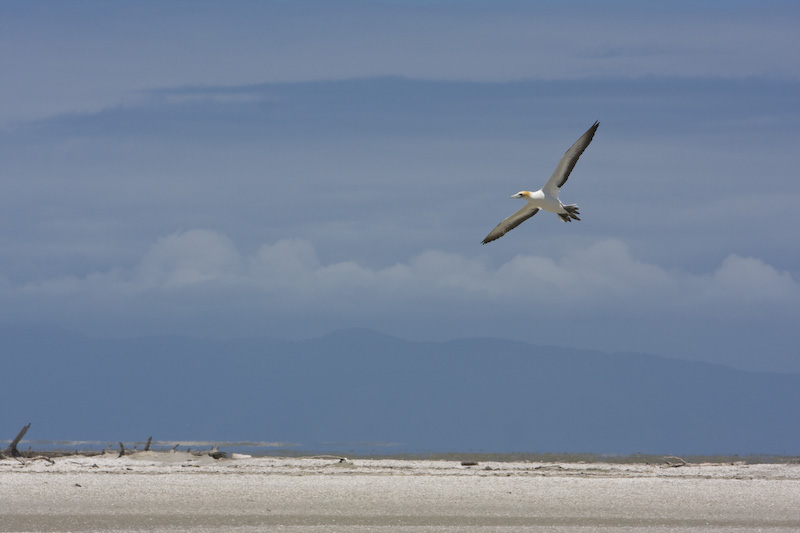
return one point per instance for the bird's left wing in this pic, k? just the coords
(567, 162)
(511, 222)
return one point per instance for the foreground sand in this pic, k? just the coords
(179, 492)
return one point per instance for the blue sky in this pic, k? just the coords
(223, 169)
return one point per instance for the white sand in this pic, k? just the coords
(178, 492)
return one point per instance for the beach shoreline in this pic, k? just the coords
(180, 491)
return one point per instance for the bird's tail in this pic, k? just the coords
(571, 213)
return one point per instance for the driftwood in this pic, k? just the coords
(12, 448)
(673, 464)
(24, 462)
(214, 453)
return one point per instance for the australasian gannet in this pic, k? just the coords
(547, 197)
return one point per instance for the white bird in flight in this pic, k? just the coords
(547, 197)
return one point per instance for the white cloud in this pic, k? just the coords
(287, 262)
(187, 258)
(748, 279)
(599, 295)
(601, 278)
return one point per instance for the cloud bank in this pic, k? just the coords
(202, 277)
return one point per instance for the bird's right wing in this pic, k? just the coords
(567, 162)
(511, 222)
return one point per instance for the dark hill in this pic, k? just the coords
(361, 386)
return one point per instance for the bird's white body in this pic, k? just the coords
(542, 200)
(547, 197)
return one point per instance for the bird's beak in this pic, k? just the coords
(514, 196)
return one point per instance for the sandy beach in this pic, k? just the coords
(176, 492)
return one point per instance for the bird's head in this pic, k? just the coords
(522, 194)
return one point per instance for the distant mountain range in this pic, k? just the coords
(355, 387)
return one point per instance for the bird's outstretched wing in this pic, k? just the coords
(567, 162)
(511, 222)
